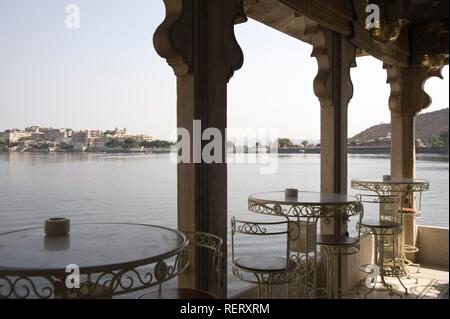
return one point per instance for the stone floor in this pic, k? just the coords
(433, 283)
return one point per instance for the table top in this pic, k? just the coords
(304, 198)
(413, 184)
(391, 180)
(93, 247)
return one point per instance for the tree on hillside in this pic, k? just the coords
(285, 142)
(437, 140)
(305, 143)
(444, 138)
(130, 143)
(113, 143)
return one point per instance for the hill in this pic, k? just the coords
(427, 125)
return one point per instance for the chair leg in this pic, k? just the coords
(335, 275)
(330, 273)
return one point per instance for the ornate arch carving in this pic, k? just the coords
(192, 28)
(323, 43)
(408, 87)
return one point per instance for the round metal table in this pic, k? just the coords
(306, 209)
(307, 204)
(112, 259)
(390, 186)
(405, 188)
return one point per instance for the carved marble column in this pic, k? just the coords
(197, 40)
(407, 99)
(335, 56)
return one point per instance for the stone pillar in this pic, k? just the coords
(335, 56)
(335, 92)
(334, 89)
(407, 99)
(197, 40)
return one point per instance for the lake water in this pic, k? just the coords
(142, 188)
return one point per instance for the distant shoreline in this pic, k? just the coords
(421, 153)
(369, 150)
(106, 151)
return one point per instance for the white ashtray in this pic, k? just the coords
(59, 226)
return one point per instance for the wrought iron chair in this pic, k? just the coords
(208, 242)
(386, 230)
(263, 269)
(336, 246)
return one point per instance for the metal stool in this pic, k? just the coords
(333, 248)
(303, 249)
(408, 213)
(336, 246)
(386, 231)
(410, 210)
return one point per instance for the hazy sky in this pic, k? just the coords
(107, 74)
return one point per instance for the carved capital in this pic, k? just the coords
(407, 88)
(312, 33)
(196, 33)
(334, 60)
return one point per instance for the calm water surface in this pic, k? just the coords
(142, 188)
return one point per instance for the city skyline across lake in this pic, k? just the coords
(431, 132)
